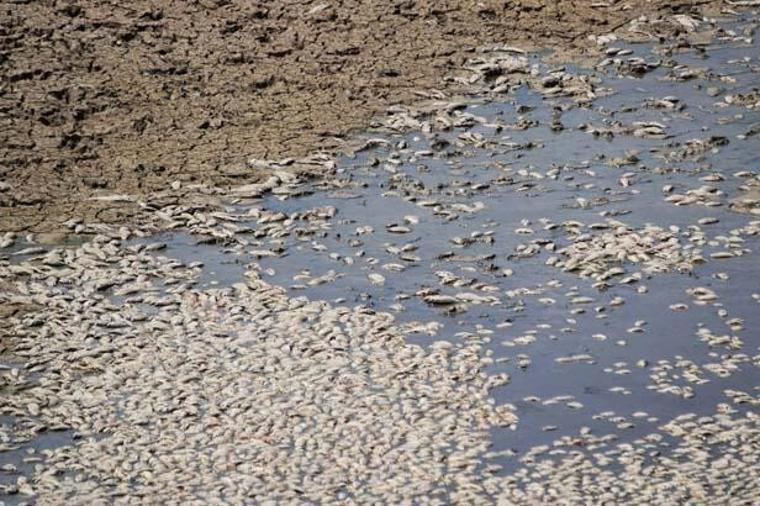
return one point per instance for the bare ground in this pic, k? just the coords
(125, 97)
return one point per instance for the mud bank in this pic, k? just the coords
(544, 294)
(100, 97)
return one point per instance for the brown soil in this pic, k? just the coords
(126, 97)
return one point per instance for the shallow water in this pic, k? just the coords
(453, 176)
(26, 454)
(506, 185)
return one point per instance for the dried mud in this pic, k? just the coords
(543, 293)
(127, 98)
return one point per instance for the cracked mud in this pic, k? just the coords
(104, 96)
(544, 291)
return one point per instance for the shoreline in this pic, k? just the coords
(140, 123)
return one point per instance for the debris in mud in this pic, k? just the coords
(491, 269)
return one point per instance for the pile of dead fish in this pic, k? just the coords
(601, 255)
(171, 392)
(233, 394)
(711, 459)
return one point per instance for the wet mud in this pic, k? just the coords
(106, 98)
(545, 293)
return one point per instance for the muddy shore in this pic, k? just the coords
(106, 98)
(538, 289)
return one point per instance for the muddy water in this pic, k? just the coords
(448, 215)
